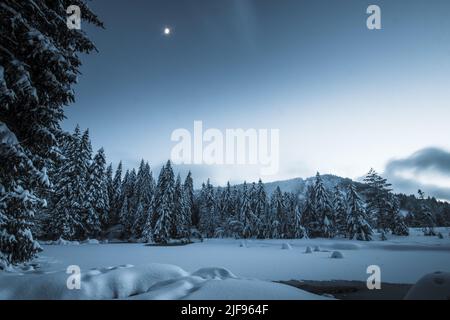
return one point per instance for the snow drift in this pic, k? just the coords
(152, 281)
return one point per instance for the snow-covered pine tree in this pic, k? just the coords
(323, 210)
(110, 188)
(309, 218)
(39, 63)
(178, 223)
(277, 213)
(97, 199)
(207, 210)
(247, 217)
(340, 212)
(234, 226)
(227, 207)
(70, 189)
(287, 224)
(299, 232)
(127, 196)
(220, 220)
(164, 205)
(188, 188)
(378, 200)
(261, 210)
(17, 202)
(143, 196)
(424, 216)
(116, 199)
(358, 226)
(397, 221)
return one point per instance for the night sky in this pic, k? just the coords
(344, 98)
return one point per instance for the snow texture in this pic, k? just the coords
(153, 281)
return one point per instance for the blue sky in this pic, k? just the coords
(344, 98)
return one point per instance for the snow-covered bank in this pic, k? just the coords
(152, 281)
(256, 264)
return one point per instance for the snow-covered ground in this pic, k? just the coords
(222, 268)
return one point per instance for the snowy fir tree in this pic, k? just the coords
(277, 213)
(164, 205)
(70, 189)
(246, 216)
(378, 200)
(97, 196)
(188, 187)
(425, 217)
(298, 231)
(357, 225)
(397, 221)
(17, 202)
(260, 210)
(116, 199)
(323, 209)
(142, 198)
(340, 212)
(39, 64)
(110, 190)
(207, 210)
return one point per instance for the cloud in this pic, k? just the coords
(427, 169)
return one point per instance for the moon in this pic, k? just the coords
(167, 31)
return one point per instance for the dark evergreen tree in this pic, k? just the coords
(39, 63)
(188, 187)
(425, 217)
(143, 198)
(299, 232)
(207, 210)
(358, 226)
(110, 188)
(323, 209)
(97, 198)
(378, 200)
(246, 217)
(277, 213)
(261, 210)
(67, 220)
(17, 202)
(340, 212)
(116, 199)
(164, 205)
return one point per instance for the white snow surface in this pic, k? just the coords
(149, 282)
(221, 268)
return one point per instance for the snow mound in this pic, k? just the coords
(286, 246)
(434, 286)
(316, 249)
(152, 281)
(214, 273)
(91, 241)
(308, 250)
(62, 242)
(337, 255)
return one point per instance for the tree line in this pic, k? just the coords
(89, 198)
